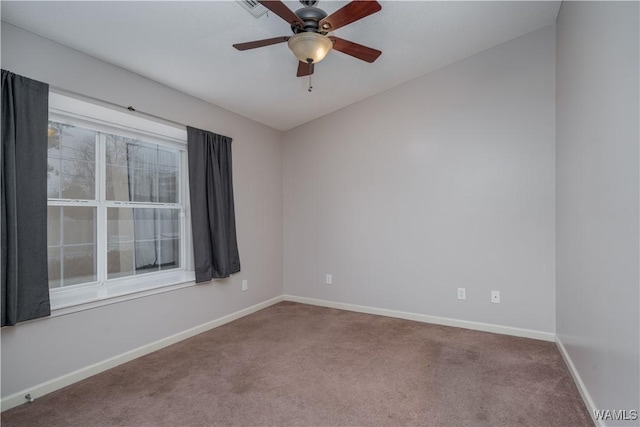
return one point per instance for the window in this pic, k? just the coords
(116, 204)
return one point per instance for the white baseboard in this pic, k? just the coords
(68, 379)
(477, 326)
(586, 397)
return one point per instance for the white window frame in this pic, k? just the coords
(88, 115)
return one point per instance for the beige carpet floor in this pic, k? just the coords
(299, 365)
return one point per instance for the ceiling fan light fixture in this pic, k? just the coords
(310, 47)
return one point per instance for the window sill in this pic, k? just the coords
(70, 301)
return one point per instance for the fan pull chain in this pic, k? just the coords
(310, 87)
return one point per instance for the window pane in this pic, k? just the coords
(53, 177)
(169, 232)
(119, 225)
(117, 183)
(142, 240)
(141, 172)
(147, 256)
(79, 225)
(71, 236)
(120, 260)
(169, 220)
(78, 180)
(145, 224)
(168, 176)
(168, 186)
(53, 225)
(169, 254)
(71, 162)
(79, 264)
(54, 267)
(78, 245)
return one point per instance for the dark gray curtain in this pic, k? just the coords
(215, 248)
(25, 284)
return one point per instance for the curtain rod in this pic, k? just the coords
(112, 104)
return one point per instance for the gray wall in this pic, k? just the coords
(597, 198)
(444, 182)
(41, 350)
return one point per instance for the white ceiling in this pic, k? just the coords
(187, 45)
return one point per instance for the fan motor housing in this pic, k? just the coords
(311, 16)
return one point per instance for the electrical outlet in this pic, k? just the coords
(495, 297)
(245, 285)
(462, 293)
(329, 279)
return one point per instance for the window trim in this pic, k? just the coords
(80, 113)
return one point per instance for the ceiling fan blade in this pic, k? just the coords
(304, 69)
(260, 43)
(354, 49)
(350, 13)
(282, 11)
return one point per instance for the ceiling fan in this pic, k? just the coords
(310, 25)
